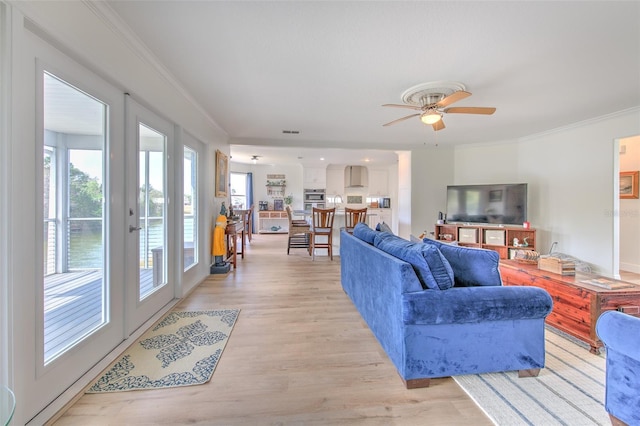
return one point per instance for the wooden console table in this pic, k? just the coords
(578, 300)
(232, 231)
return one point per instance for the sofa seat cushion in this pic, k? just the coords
(431, 267)
(471, 266)
(476, 305)
(363, 232)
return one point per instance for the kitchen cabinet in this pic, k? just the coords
(378, 182)
(375, 216)
(314, 177)
(335, 180)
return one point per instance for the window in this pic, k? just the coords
(239, 191)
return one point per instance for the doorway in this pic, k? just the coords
(629, 213)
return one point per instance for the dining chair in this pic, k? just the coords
(247, 219)
(352, 217)
(248, 223)
(322, 230)
(297, 221)
(299, 233)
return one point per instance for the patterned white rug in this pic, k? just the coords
(569, 390)
(182, 349)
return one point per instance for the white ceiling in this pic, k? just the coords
(324, 68)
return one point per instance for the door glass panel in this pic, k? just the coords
(74, 223)
(190, 210)
(152, 205)
(238, 183)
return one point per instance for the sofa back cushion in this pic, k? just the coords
(363, 232)
(431, 267)
(471, 266)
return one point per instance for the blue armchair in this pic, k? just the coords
(620, 334)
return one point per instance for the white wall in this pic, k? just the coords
(570, 173)
(431, 172)
(629, 211)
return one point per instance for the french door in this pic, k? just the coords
(90, 201)
(149, 181)
(68, 251)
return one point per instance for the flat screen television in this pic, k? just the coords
(500, 204)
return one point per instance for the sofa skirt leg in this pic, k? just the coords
(616, 421)
(416, 383)
(531, 372)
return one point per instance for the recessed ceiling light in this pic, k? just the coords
(321, 158)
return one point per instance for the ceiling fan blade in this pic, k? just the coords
(454, 97)
(417, 108)
(470, 110)
(438, 125)
(400, 119)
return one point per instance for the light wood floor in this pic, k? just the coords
(630, 277)
(299, 355)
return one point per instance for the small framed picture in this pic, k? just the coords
(495, 195)
(278, 204)
(628, 185)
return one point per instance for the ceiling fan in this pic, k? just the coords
(433, 105)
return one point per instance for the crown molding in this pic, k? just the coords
(582, 123)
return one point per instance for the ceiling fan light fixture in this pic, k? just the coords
(431, 117)
(254, 159)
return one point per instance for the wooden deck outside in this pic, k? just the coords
(73, 306)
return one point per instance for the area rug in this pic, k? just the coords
(569, 390)
(183, 349)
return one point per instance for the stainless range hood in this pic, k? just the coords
(356, 176)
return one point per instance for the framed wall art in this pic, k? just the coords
(222, 166)
(629, 185)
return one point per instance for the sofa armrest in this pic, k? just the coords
(475, 305)
(616, 329)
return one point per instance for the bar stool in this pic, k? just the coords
(322, 226)
(352, 217)
(299, 233)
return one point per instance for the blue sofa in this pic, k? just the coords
(619, 332)
(440, 310)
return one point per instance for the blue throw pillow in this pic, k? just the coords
(439, 266)
(363, 232)
(422, 261)
(471, 266)
(383, 227)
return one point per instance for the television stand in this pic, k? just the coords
(495, 237)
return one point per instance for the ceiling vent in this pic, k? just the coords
(356, 176)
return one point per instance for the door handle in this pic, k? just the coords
(134, 228)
